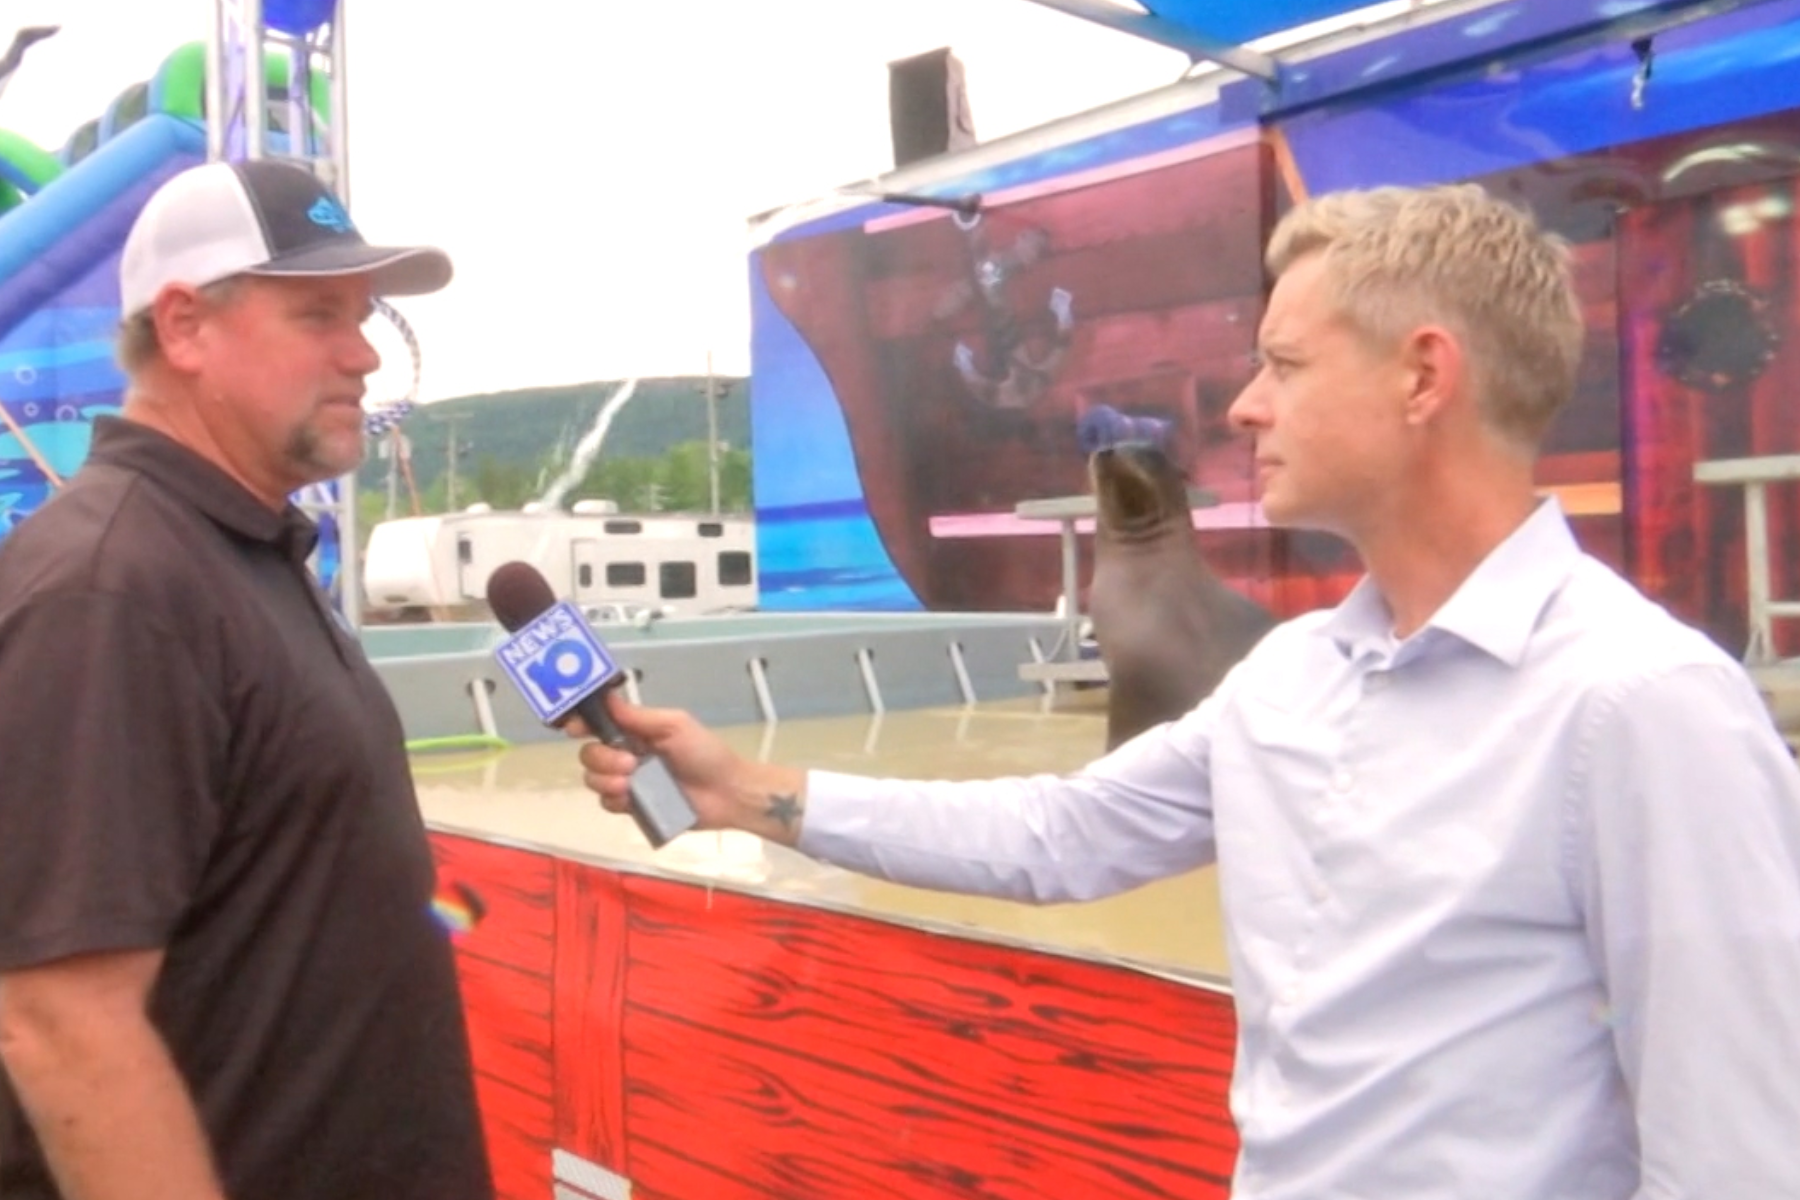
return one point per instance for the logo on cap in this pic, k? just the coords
(329, 214)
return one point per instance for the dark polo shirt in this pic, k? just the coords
(195, 756)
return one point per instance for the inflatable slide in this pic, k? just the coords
(63, 220)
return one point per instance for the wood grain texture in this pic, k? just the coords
(516, 887)
(518, 1126)
(590, 998)
(503, 967)
(719, 1045)
(822, 1055)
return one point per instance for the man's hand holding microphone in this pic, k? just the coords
(725, 790)
(661, 767)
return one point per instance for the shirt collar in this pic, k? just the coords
(1361, 622)
(200, 483)
(1497, 606)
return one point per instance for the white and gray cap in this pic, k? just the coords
(262, 217)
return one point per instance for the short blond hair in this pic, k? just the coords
(137, 346)
(1398, 258)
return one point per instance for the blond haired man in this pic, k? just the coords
(1510, 858)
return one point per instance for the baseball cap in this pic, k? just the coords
(261, 217)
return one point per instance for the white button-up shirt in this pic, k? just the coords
(1513, 905)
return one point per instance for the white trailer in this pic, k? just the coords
(437, 567)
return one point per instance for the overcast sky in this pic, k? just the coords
(590, 164)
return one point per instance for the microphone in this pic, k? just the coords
(559, 665)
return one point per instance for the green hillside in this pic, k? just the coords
(510, 445)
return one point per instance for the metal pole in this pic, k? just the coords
(340, 106)
(1756, 548)
(338, 156)
(256, 89)
(299, 94)
(1071, 583)
(450, 477)
(216, 116)
(712, 433)
(393, 480)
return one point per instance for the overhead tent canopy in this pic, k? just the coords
(1291, 55)
(1222, 32)
(1216, 30)
(1247, 20)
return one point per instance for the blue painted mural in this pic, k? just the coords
(891, 344)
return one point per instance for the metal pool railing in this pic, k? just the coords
(743, 669)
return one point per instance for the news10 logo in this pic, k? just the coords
(555, 661)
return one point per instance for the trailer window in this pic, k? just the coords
(465, 550)
(734, 567)
(625, 574)
(678, 581)
(584, 576)
(711, 529)
(623, 527)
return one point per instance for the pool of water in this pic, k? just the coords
(532, 795)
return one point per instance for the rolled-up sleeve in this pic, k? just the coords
(1688, 840)
(1140, 813)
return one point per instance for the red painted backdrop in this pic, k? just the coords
(709, 1044)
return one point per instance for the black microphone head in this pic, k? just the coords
(519, 594)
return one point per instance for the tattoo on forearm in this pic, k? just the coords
(784, 810)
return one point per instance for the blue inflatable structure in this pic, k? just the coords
(60, 243)
(59, 304)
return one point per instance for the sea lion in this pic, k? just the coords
(1167, 626)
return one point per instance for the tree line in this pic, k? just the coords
(506, 449)
(677, 481)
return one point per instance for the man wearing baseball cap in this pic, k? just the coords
(220, 975)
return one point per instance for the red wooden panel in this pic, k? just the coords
(503, 966)
(517, 1126)
(518, 891)
(509, 1024)
(715, 1115)
(772, 1049)
(590, 981)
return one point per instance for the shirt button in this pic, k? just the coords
(1341, 781)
